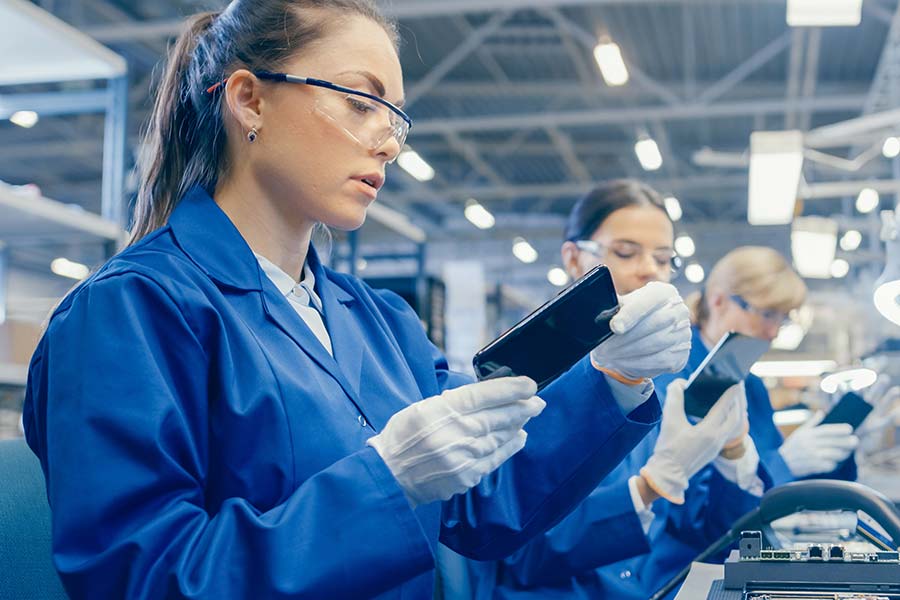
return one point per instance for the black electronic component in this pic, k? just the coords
(888, 556)
(815, 552)
(836, 553)
(751, 544)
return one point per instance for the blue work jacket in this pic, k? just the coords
(198, 441)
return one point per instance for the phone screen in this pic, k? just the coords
(851, 409)
(550, 340)
(726, 364)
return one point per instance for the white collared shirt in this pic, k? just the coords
(302, 297)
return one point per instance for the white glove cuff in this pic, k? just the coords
(666, 479)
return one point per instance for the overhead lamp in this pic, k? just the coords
(684, 246)
(791, 417)
(776, 163)
(24, 118)
(694, 273)
(813, 245)
(891, 147)
(887, 286)
(557, 277)
(478, 215)
(524, 251)
(824, 13)
(410, 161)
(648, 154)
(612, 66)
(852, 379)
(792, 368)
(789, 337)
(867, 201)
(851, 240)
(68, 268)
(673, 207)
(839, 268)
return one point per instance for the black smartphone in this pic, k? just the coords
(550, 340)
(851, 409)
(726, 364)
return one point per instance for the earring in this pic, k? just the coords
(252, 134)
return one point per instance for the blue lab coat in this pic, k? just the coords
(198, 440)
(601, 551)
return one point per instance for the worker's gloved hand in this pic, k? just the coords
(683, 448)
(814, 448)
(445, 444)
(652, 335)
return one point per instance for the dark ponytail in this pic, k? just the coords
(184, 143)
(593, 209)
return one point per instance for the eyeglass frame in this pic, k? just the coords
(591, 247)
(287, 78)
(768, 314)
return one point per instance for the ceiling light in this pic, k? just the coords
(478, 215)
(776, 163)
(648, 154)
(891, 147)
(410, 161)
(839, 268)
(851, 240)
(684, 246)
(557, 277)
(612, 66)
(824, 13)
(694, 273)
(852, 379)
(813, 245)
(524, 251)
(673, 207)
(24, 118)
(67, 268)
(867, 201)
(792, 368)
(887, 286)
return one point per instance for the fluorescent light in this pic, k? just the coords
(557, 277)
(612, 66)
(789, 337)
(824, 13)
(851, 240)
(867, 201)
(361, 264)
(891, 147)
(67, 268)
(776, 162)
(813, 244)
(648, 154)
(673, 207)
(410, 161)
(839, 268)
(684, 246)
(855, 379)
(478, 215)
(791, 417)
(694, 273)
(24, 118)
(524, 251)
(885, 298)
(792, 368)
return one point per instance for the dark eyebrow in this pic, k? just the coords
(376, 84)
(633, 243)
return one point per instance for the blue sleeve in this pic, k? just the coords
(579, 438)
(581, 541)
(118, 401)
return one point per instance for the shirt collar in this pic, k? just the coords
(286, 284)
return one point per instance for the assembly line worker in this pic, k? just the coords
(218, 415)
(624, 225)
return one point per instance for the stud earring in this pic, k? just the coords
(252, 134)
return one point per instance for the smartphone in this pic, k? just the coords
(851, 409)
(550, 340)
(726, 364)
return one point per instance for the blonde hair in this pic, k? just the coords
(758, 274)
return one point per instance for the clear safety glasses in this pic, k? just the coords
(367, 119)
(630, 251)
(776, 317)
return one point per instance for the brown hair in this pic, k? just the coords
(184, 143)
(758, 274)
(593, 209)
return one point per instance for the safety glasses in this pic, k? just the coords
(630, 251)
(773, 316)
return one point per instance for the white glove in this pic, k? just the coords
(445, 444)
(814, 448)
(682, 449)
(652, 334)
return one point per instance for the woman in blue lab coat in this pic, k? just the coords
(218, 415)
(636, 511)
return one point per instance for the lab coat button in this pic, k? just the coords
(362, 421)
(625, 574)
